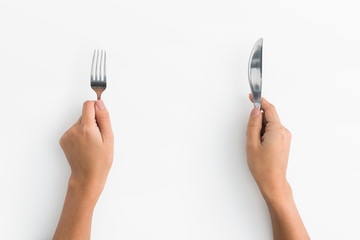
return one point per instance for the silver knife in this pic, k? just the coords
(255, 72)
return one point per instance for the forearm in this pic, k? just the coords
(285, 218)
(89, 147)
(76, 217)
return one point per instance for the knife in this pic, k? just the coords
(255, 72)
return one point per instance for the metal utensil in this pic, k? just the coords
(98, 72)
(255, 72)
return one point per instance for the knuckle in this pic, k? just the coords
(87, 103)
(61, 141)
(85, 129)
(272, 106)
(285, 132)
(70, 132)
(64, 138)
(288, 133)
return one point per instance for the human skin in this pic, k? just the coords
(267, 148)
(88, 146)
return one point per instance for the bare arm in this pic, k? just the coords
(267, 157)
(88, 146)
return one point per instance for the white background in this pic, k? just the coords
(178, 97)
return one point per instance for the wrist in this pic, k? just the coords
(85, 188)
(278, 194)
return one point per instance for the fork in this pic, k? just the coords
(98, 72)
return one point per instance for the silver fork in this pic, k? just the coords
(98, 72)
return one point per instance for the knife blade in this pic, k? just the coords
(255, 72)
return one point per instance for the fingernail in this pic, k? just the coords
(255, 112)
(100, 104)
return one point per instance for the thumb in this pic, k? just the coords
(103, 119)
(254, 128)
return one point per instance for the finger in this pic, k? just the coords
(263, 129)
(270, 111)
(254, 128)
(271, 115)
(88, 113)
(103, 120)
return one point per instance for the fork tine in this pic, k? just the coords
(104, 66)
(96, 68)
(92, 67)
(101, 66)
